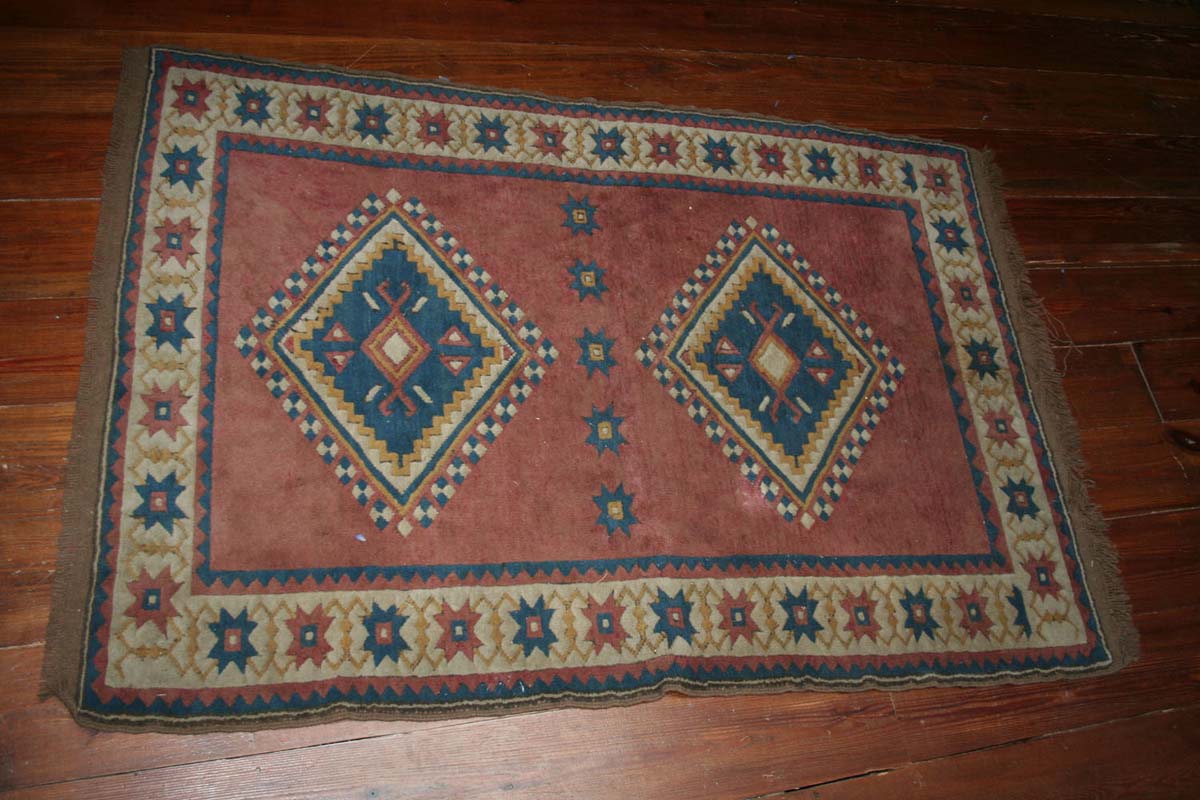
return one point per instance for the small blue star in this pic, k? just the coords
(918, 609)
(372, 121)
(183, 166)
(983, 358)
(674, 617)
(605, 430)
(383, 633)
(588, 280)
(801, 615)
(160, 502)
(168, 325)
(253, 106)
(1020, 498)
(581, 216)
(233, 640)
(719, 154)
(493, 134)
(616, 509)
(950, 234)
(821, 164)
(609, 144)
(596, 351)
(233, 644)
(533, 626)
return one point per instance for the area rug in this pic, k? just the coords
(411, 400)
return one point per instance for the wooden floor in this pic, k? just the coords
(1093, 109)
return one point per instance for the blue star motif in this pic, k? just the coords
(596, 351)
(918, 609)
(383, 633)
(910, 176)
(233, 644)
(606, 430)
(801, 614)
(609, 144)
(169, 322)
(253, 106)
(533, 626)
(581, 216)
(950, 234)
(159, 502)
(719, 154)
(588, 280)
(233, 640)
(674, 617)
(372, 121)
(1017, 601)
(820, 164)
(616, 509)
(493, 134)
(183, 166)
(983, 358)
(1020, 498)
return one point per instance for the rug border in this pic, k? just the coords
(62, 669)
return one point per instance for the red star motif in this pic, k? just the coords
(736, 617)
(868, 171)
(861, 609)
(606, 626)
(974, 610)
(458, 630)
(152, 598)
(191, 97)
(434, 128)
(549, 139)
(314, 112)
(1041, 576)
(938, 180)
(1000, 427)
(308, 635)
(771, 159)
(663, 148)
(163, 410)
(965, 295)
(175, 240)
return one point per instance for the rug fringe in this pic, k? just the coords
(1096, 553)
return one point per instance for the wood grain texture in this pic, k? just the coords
(1091, 109)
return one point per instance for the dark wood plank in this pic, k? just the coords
(1119, 304)
(947, 35)
(1099, 230)
(1145, 757)
(1144, 467)
(1173, 370)
(1160, 559)
(58, 161)
(41, 349)
(1104, 386)
(67, 72)
(1157, 12)
(46, 248)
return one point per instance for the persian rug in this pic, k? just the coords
(407, 399)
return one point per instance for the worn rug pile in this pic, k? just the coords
(407, 399)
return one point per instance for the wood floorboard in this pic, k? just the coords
(954, 36)
(1075, 765)
(1090, 107)
(51, 72)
